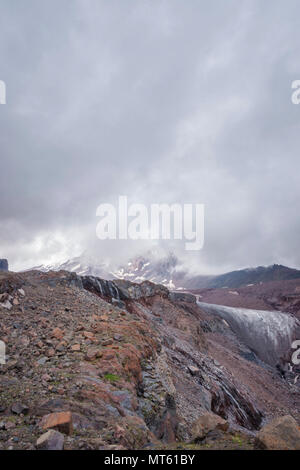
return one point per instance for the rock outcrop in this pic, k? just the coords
(3, 265)
(62, 422)
(282, 433)
(51, 440)
(207, 423)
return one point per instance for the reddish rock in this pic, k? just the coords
(132, 361)
(207, 423)
(103, 318)
(61, 421)
(50, 352)
(88, 335)
(91, 354)
(108, 354)
(280, 434)
(57, 333)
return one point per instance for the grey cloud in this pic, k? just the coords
(164, 101)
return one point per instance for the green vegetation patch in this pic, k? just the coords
(112, 378)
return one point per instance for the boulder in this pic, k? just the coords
(118, 303)
(92, 354)
(61, 421)
(57, 333)
(193, 370)
(18, 408)
(51, 440)
(282, 433)
(7, 305)
(168, 426)
(131, 291)
(182, 297)
(207, 423)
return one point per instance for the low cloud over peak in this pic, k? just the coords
(161, 101)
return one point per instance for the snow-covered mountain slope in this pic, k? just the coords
(159, 270)
(81, 265)
(167, 270)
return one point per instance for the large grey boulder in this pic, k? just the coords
(51, 440)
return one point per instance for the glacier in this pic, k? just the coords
(269, 334)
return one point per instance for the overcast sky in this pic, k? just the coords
(163, 101)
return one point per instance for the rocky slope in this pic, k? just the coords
(94, 364)
(243, 277)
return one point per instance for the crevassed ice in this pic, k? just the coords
(268, 333)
